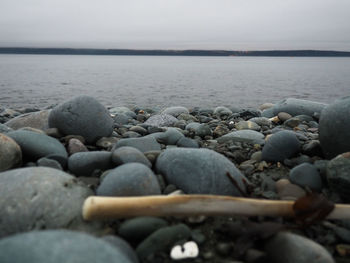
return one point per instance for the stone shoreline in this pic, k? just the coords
(51, 160)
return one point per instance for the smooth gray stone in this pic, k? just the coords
(138, 228)
(35, 145)
(169, 137)
(192, 125)
(131, 179)
(187, 143)
(46, 162)
(337, 173)
(200, 171)
(175, 111)
(57, 246)
(85, 163)
(122, 110)
(82, 115)
(262, 121)
(306, 175)
(10, 153)
(37, 120)
(203, 130)
(243, 136)
(222, 112)
(123, 246)
(144, 144)
(291, 248)
(162, 240)
(161, 120)
(334, 127)
(247, 125)
(4, 128)
(40, 198)
(128, 154)
(280, 146)
(295, 107)
(121, 119)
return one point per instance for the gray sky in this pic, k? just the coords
(177, 24)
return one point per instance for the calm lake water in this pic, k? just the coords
(151, 81)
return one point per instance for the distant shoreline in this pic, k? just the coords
(159, 52)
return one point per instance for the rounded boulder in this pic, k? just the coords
(82, 115)
(334, 128)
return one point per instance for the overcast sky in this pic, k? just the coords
(177, 24)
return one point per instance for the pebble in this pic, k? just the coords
(200, 171)
(106, 142)
(334, 126)
(37, 120)
(243, 136)
(47, 162)
(82, 115)
(247, 125)
(289, 191)
(139, 130)
(35, 145)
(85, 163)
(144, 144)
(4, 128)
(222, 112)
(128, 154)
(337, 173)
(161, 120)
(131, 179)
(261, 121)
(75, 146)
(57, 246)
(306, 175)
(290, 248)
(280, 146)
(175, 111)
(10, 153)
(162, 240)
(137, 229)
(283, 116)
(40, 198)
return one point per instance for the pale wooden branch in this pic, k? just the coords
(103, 208)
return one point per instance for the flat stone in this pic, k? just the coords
(37, 120)
(280, 146)
(295, 107)
(162, 240)
(161, 120)
(131, 179)
(57, 246)
(334, 128)
(85, 163)
(200, 171)
(10, 153)
(40, 198)
(82, 115)
(175, 111)
(128, 154)
(137, 229)
(35, 145)
(290, 248)
(243, 136)
(306, 175)
(144, 144)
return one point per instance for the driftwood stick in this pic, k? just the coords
(103, 208)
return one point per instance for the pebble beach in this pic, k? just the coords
(53, 159)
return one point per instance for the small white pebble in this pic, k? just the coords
(187, 250)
